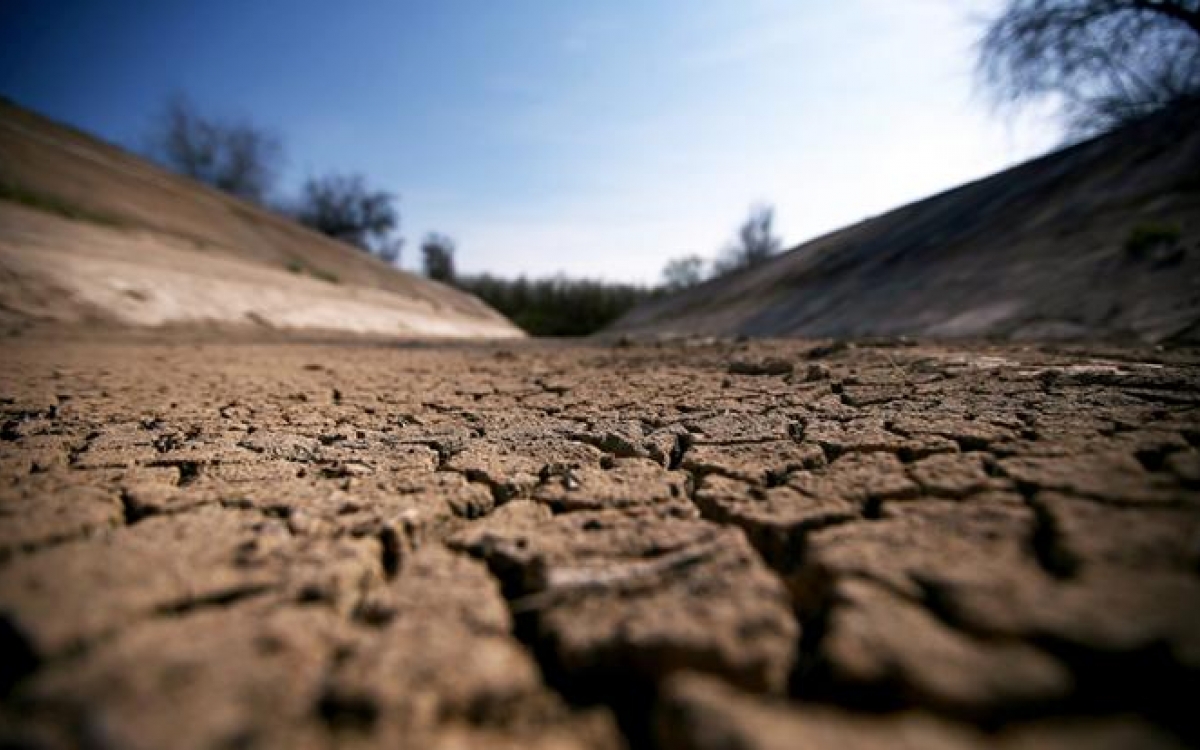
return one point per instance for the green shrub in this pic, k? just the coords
(298, 267)
(1146, 240)
(327, 276)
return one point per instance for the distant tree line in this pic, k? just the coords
(557, 306)
(554, 306)
(244, 160)
(561, 306)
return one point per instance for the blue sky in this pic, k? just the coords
(592, 138)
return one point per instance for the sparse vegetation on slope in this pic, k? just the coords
(55, 205)
(1156, 242)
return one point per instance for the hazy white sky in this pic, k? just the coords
(590, 138)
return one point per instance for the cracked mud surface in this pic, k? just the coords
(699, 545)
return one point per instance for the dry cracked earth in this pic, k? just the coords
(691, 545)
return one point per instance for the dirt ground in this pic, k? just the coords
(527, 545)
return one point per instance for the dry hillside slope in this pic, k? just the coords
(89, 231)
(1101, 240)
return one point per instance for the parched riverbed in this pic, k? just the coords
(529, 545)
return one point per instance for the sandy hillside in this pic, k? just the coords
(91, 232)
(1098, 240)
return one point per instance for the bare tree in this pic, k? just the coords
(755, 243)
(682, 273)
(236, 157)
(343, 207)
(437, 254)
(1106, 62)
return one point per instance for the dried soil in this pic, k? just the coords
(701, 544)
